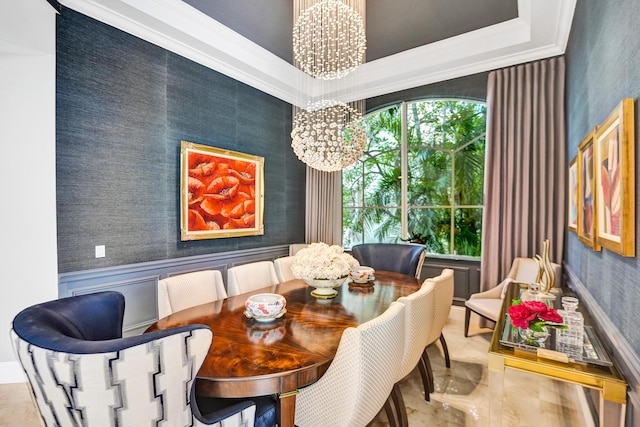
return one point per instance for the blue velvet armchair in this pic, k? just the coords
(406, 258)
(82, 372)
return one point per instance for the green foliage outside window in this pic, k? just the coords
(443, 189)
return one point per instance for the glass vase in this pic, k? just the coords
(531, 337)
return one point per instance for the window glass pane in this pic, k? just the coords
(429, 181)
(446, 124)
(352, 227)
(463, 121)
(444, 183)
(424, 125)
(432, 227)
(352, 185)
(384, 130)
(469, 176)
(468, 232)
(382, 180)
(382, 225)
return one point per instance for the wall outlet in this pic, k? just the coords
(100, 251)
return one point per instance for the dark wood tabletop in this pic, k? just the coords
(249, 358)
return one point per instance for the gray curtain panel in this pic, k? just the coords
(323, 207)
(525, 169)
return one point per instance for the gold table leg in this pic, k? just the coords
(496, 389)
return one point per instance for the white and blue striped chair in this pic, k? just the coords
(83, 373)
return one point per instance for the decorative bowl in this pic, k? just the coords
(325, 288)
(362, 274)
(265, 307)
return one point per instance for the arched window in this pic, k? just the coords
(420, 179)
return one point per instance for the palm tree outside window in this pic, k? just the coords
(420, 178)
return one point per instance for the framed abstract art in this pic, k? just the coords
(221, 193)
(572, 219)
(586, 192)
(614, 160)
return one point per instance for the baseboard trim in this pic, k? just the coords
(11, 373)
(623, 355)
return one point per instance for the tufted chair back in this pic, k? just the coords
(186, 290)
(283, 268)
(443, 299)
(405, 258)
(418, 325)
(83, 373)
(360, 377)
(249, 277)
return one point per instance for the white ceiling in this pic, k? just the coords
(540, 30)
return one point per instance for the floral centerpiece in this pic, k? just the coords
(323, 267)
(532, 318)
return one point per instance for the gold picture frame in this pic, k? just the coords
(615, 180)
(573, 206)
(586, 192)
(221, 193)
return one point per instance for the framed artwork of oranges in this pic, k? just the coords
(221, 193)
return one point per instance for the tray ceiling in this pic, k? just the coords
(410, 42)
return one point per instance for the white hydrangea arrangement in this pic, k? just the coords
(321, 261)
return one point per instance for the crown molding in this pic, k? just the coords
(540, 31)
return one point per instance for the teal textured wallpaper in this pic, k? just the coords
(602, 69)
(123, 106)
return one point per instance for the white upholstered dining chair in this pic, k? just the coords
(443, 287)
(186, 290)
(488, 304)
(417, 328)
(249, 277)
(283, 268)
(361, 376)
(295, 247)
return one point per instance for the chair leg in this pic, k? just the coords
(467, 316)
(425, 380)
(445, 350)
(389, 407)
(427, 375)
(401, 409)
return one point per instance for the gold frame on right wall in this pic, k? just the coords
(615, 180)
(586, 192)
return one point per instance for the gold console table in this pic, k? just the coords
(601, 375)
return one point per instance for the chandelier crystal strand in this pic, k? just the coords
(329, 39)
(329, 136)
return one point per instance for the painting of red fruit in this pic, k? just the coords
(221, 193)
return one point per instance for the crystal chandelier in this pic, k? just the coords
(329, 40)
(328, 136)
(328, 43)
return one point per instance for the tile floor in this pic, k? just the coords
(461, 397)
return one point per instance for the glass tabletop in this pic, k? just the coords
(590, 352)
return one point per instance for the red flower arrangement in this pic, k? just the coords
(534, 315)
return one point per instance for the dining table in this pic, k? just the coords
(251, 358)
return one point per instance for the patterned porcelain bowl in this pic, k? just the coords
(362, 274)
(265, 307)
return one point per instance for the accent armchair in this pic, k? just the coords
(83, 373)
(488, 304)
